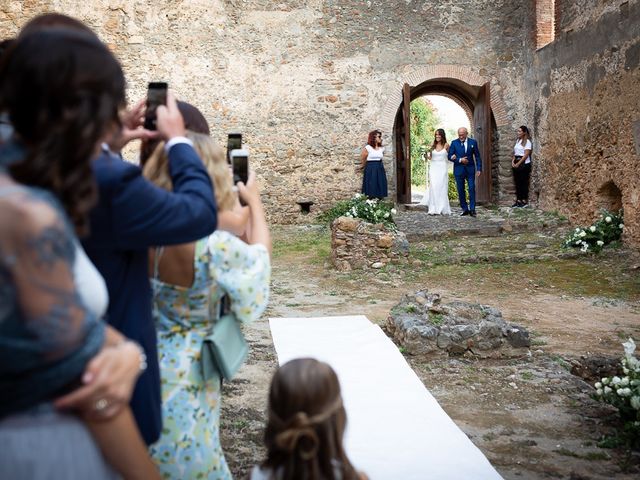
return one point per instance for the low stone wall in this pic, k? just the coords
(422, 324)
(356, 244)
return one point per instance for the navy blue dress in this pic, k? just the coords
(374, 181)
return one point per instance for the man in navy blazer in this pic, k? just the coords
(467, 165)
(132, 215)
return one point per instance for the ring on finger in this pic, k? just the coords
(101, 404)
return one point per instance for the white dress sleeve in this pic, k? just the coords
(243, 272)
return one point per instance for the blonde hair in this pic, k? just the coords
(156, 169)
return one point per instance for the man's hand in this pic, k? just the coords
(108, 380)
(478, 173)
(464, 161)
(132, 121)
(169, 119)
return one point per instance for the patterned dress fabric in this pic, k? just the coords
(189, 447)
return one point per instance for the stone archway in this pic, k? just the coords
(466, 88)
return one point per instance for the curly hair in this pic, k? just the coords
(371, 139)
(306, 423)
(61, 104)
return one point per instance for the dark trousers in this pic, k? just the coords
(521, 176)
(468, 174)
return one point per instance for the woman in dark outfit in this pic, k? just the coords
(521, 166)
(374, 182)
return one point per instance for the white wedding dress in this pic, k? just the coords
(438, 188)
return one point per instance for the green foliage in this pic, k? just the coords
(593, 239)
(359, 206)
(424, 123)
(453, 190)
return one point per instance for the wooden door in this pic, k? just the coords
(482, 133)
(403, 148)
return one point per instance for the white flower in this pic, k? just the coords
(621, 226)
(605, 380)
(629, 347)
(600, 243)
(615, 380)
(393, 211)
(607, 219)
(598, 385)
(577, 229)
(592, 228)
(582, 233)
(635, 402)
(607, 390)
(624, 382)
(599, 392)
(578, 242)
(386, 215)
(624, 392)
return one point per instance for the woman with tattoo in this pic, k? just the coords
(62, 105)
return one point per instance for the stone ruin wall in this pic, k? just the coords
(306, 80)
(303, 80)
(586, 98)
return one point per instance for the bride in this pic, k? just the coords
(437, 196)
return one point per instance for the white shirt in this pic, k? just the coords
(518, 150)
(374, 154)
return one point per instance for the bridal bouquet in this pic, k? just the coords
(592, 239)
(624, 392)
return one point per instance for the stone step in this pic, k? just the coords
(418, 225)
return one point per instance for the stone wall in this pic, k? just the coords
(306, 80)
(585, 90)
(303, 80)
(356, 244)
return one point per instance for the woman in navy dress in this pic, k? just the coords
(374, 181)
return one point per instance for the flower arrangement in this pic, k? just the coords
(359, 206)
(624, 392)
(593, 239)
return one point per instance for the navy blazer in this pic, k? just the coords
(132, 215)
(472, 153)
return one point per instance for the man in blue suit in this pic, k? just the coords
(467, 165)
(132, 215)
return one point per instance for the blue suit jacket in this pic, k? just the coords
(131, 216)
(472, 153)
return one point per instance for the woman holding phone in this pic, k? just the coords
(189, 282)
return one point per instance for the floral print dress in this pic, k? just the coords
(189, 447)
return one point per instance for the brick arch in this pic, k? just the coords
(421, 75)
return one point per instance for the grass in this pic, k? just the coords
(314, 243)
(591, 456)
(527, 375)
(436, 319)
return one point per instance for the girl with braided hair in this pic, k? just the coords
(306, 425)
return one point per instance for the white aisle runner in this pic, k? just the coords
(396, 429)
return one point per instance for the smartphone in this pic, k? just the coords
(240, 164)
(156, 96)
(234, 142)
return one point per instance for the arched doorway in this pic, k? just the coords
(475, 99)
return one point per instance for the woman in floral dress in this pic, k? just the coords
(189, 282)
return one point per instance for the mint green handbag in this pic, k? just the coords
(224, 350)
